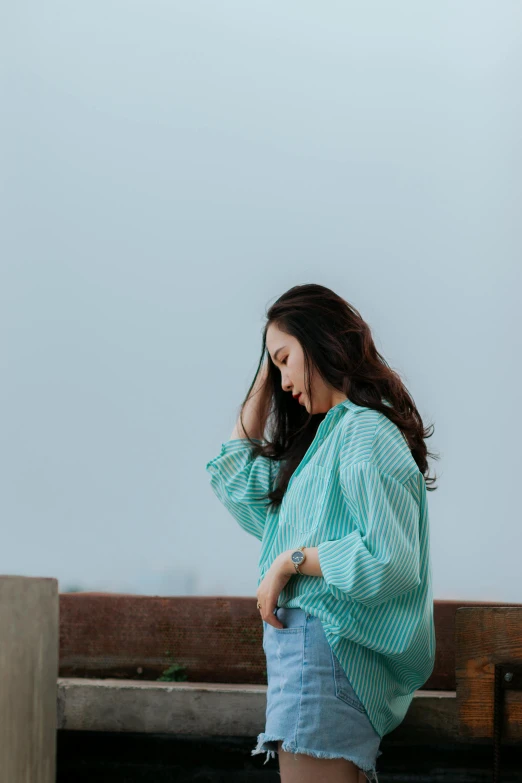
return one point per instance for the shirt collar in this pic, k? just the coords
(341, 406)
(350, 405)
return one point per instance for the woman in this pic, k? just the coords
(327, 467)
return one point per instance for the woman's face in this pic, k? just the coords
(287, 355)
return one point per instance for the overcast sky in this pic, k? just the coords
(168, 170)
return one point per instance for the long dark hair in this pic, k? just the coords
(335, 338)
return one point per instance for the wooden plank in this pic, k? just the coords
(215, 638)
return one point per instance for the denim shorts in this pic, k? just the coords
(311, 705)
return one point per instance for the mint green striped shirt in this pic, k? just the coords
(359, 497)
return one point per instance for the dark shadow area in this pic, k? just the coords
(84, 757)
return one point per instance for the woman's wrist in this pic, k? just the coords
(310, 567)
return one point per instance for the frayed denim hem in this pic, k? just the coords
(370, 772)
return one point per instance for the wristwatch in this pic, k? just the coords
(298, 557)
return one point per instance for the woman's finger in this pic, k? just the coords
(271, 619)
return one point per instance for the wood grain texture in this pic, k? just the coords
(216, 638)
(485, 636)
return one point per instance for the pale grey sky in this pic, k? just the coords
(168, 170)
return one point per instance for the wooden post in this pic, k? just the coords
(488, 669)
(29, 622)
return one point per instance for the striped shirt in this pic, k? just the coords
(359, 497)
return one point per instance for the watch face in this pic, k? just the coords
(297, 557)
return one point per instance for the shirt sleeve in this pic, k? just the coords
(240, 481)
(380, 559)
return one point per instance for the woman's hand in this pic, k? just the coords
(268, 591)
(260, 385)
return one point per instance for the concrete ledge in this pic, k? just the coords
(215, 709)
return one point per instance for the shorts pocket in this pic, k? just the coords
(284, 652)
(304, 501)
(269, 629)
(343, 688)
